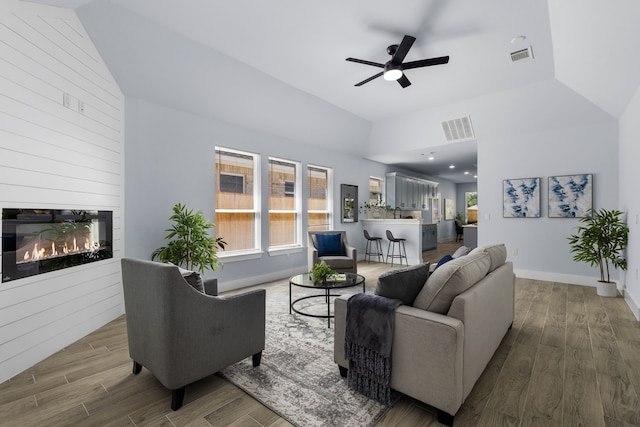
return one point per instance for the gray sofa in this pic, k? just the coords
(442, 344)
(181, 334)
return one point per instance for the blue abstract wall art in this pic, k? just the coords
(521, 198)
(570, 196)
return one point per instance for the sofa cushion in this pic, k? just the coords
(338, 262)
(193, 278)
(497, 253)
(329, 244)
(404, 283)
(453, 278)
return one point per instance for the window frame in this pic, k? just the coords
(257, 206)
(329, 199)
(297, 209)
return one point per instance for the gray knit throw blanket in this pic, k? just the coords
(367, 346)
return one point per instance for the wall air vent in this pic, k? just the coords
(458, 129)
(521, 55)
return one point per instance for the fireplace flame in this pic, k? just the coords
(38, 252)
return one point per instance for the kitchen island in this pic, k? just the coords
(470, 236)
(411, 229)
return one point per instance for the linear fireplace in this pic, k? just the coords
(36, 241)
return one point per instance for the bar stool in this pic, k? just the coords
(402, 251)
(377, 250)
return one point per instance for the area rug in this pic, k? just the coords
(297, 377)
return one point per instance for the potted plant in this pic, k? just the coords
(601, 241)
(320, 272)
(189, 244)
(376, 210)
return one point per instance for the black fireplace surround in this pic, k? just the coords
(37, 241)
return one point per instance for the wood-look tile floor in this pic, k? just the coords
(571, 359)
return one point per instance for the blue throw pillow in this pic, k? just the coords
(329, 244)
(445, 259)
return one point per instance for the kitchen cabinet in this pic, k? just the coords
(429, 236)
(408, 193)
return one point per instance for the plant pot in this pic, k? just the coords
(607, 289)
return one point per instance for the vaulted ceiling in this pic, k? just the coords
(585, 46)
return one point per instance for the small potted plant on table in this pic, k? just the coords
(320, 272)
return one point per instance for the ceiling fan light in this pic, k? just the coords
(392, 71)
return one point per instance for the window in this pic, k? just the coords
(237, 199)
(471, 199)
(319, 203)
(285, 204)
(375, 191)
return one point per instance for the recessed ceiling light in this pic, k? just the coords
(431, 158)
(475, 176)
(466, 172)
(518, 39)
(452, 166)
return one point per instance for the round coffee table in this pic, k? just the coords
(305, 281)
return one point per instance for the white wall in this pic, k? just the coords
(153, 63)
(54, 157)
(170, 159)
(538, 130)
(629, 200)
(541, 243)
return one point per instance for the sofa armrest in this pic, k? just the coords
(487, 310)
(211, 286)
(427, 354)
(351, 252)
(312, 256)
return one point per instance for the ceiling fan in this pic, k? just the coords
(394, 68)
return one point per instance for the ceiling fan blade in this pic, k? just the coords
(403, 49)
(362, 61)
(404, 81)
(369, 79)
(425, 62)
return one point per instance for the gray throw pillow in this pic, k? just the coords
(193, 278)
(403, 284)
(461, 251)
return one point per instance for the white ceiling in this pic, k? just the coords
(305, 44)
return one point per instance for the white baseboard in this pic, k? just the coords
(257, 280)
(556, 277)
(633, 305)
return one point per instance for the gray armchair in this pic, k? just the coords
(347, 263)
(182, 335)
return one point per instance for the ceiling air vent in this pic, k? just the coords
(521, 55)
(458, 129)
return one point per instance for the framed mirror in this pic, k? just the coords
(349, 199)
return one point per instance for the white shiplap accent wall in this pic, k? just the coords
(52, 156)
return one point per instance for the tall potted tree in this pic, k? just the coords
(190, 245)
(601, 241)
